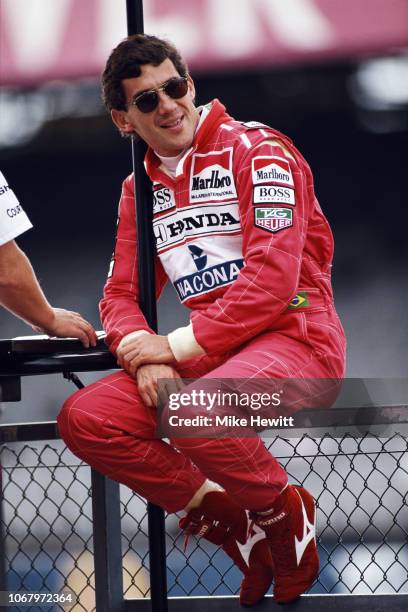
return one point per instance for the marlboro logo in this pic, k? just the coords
(273, 219)
(211, 177)
(271, 169)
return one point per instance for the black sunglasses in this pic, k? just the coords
(175, 88)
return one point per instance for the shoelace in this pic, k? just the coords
(279, 549)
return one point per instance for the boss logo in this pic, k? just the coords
(163, 199)
(275, 194)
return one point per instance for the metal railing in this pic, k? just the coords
(66, 527)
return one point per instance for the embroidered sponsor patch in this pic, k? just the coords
(271, 169)
(175, 227)
(163, 199)
(207, 280)
(275, 194)
(211, 178)
(198, 255)
(273, 219)
(254, 125)
(300, 300)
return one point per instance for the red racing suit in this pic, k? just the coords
(240, 234)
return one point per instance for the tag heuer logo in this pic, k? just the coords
(211, 177)
(273, 219)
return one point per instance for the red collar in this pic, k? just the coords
(215, 117)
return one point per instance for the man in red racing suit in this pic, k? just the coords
(242, 238)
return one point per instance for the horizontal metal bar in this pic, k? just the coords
(28, 432)
(40, 344)
(59, 362)
(306, 603)
(42, 355)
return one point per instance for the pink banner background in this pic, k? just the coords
(51, 39)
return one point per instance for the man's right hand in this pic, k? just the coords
(147, 377)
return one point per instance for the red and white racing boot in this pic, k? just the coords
(291, 529)
(221, 521)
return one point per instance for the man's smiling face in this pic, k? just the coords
(170, 127)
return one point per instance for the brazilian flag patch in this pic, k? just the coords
(300, 300)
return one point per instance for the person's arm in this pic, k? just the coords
(121, 316)
(21, 294)
(119, 308)
(273, 240)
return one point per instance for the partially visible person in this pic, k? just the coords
(20, 292)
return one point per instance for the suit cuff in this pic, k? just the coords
(183, 343)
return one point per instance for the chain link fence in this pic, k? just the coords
(360, 485)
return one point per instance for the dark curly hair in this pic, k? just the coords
(125, 60)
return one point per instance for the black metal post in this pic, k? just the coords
(134, 17)
(3, 569)
(147, 293)
(107, 544)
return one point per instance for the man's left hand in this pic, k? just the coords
(144, 348)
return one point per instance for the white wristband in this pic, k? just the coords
(183, 343)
